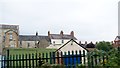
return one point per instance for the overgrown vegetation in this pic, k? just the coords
(112, 54)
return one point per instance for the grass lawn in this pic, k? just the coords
(29, 50)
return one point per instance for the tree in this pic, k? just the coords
(114, 57)
(105, 46)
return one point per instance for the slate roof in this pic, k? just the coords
(9, 26)
(32, 38)
(118, 37)
(58, 36)
(90, 45)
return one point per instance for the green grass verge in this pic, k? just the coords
(14, 51)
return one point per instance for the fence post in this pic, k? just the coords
(23, 60)
(36, 59)
(26, 60)
(65, 58)
(5, 61)
(76, 57)
(8, 58)
(62, 58)
(58, 61)
(54, 57)
(50, 58)
(17, 61)
(13, 60)
(69, 58)
(84, 57)
(43, 57)
(80, 56)
(46, 57)
(32, 60)
(29, 60)
(2, 61)
(20, 60)
(72, 58)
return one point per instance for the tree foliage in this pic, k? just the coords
(105, 46)
(114, 57)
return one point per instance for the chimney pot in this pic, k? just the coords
(72, 33)
(85, 42)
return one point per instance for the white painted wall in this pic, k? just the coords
(59, 41)
(72, 47)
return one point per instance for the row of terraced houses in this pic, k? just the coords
(10, 38)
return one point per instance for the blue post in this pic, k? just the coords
(69, 62)
(80, 57)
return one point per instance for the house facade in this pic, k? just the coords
(58, 40)
(33, 41)
(9, 35)
(70, 46)
(117, 41)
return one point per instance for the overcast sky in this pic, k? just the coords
(91, 20)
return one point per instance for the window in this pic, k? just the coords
(62, 41)
(11, 36)
(12, 46)
(54, 43)
(20, 43)
(71, 42)
(28, 44)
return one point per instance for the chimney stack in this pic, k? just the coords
(61, 33)
(80, 42)
(72, 33)
(36, 33)
(49, 34)
(86, 42)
